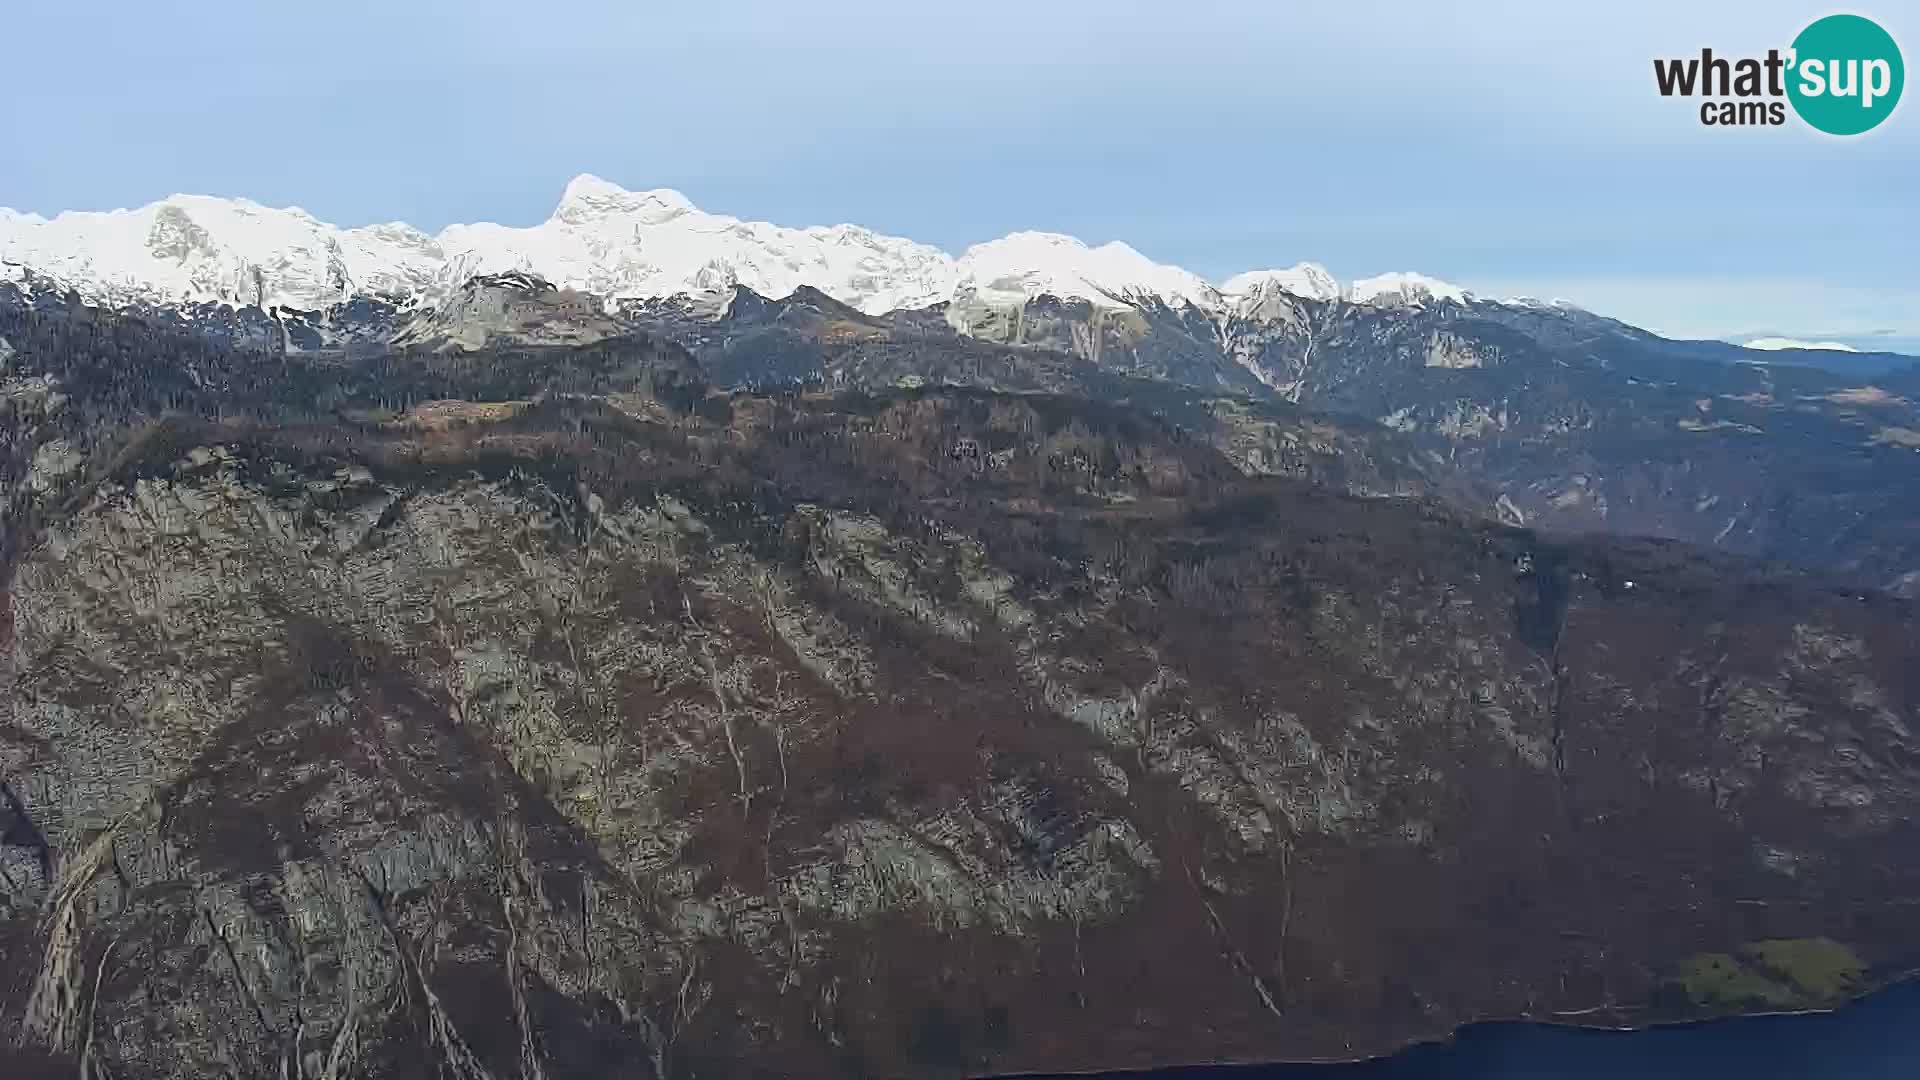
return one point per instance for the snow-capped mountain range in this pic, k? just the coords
(611, 242)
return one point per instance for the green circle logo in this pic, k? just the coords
(1846, 74)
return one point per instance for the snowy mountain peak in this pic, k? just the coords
(636, 244)
(1023, 265)
(189, 248)
(1310, 280)
(588, 199)
(1405, 289)
(589, 186)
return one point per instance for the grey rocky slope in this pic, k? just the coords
(1543, 416)
(534, 711)
(1536, 414)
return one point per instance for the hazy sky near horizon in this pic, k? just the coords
(1514, 148)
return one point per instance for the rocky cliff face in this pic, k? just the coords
(1532, 413)
(531, 713)
(1553, 417)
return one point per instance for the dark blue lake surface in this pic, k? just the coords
(1874, 1039)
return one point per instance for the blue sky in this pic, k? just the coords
(1511, 147)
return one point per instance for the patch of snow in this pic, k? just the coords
(1774, 344)
(1555, 304)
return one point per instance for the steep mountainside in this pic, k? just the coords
(1546, 414)
(1535, 413)
(1540, 415)
(538, 710)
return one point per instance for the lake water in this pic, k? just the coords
(1874, 1039)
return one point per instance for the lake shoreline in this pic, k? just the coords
(1457, 1042)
